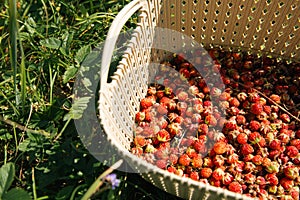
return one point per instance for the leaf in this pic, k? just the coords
(82, 53)
(23, 146)
(16, 193)
(64, 193)
(69, 73)
(6, 136)
(78, 108)
(7, 173)
(52, 43)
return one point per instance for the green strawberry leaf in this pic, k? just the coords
(7, 173)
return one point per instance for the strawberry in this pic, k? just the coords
(285, 117)
(197, 161)
(218, 174)
(291, 172)
(227, 179)
(246, 149)
(174, 129)
(203, 129)
(161, 164)
(242, 96)
(295, 143)
(173, 159)
(242, 138)
(184, 160)
(182, 96)
(220, 147)
(286, 183)
(272, 179)
(275, 98)
(254, 125)
(140, 116)
(256, 108)
(146, 102)
(210, 120)
(140, 141)
(234, 102)
(240, 119)
(194, 175)
(163, 136)
(224, 96)
(235, 187)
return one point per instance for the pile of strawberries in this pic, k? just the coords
(230, 121)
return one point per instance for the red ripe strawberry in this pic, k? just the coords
(224, 96)
(291, 172)
(249, 178)
(211, 120)
(240, 120)
(275, 98)
(256, 108)
(148, 116)
(294, 192)
(235, 187)
(140, 141)
(272, 179)
(227, 179)
(171, 169)
(286, 183)
(206, 172)
(233, 158)
(163, 136)
(162, 109)
(197, 161)
(162, 122)
(137, 151)
(275, 144)
(257, 159)
(184, 160)
(220, 147)
(151, 91)
(164, 101)
(161, 164)
(246, 149)
(160, 94)
(234, 102)
(207, 162)
(182, 96)
(261, 181)
(296, 143)
(285, 117)
(194, 175)
(146, 102)
(254, 125)
(267, 109)
(218, 174)
(242, 138)
(174, 129)
(173, 159)
(196, 118)
(203, 129)
(254, 97)
(139, 116)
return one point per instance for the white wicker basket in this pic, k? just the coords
(265, 26)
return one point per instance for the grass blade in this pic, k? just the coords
(13, 34)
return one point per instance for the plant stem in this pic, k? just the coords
(23, 128)
(33, 185)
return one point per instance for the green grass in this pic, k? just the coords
(43, 44)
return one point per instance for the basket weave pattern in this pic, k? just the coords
(264, 26)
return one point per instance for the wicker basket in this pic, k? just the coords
(260, 26)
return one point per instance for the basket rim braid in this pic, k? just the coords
(115, 97)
